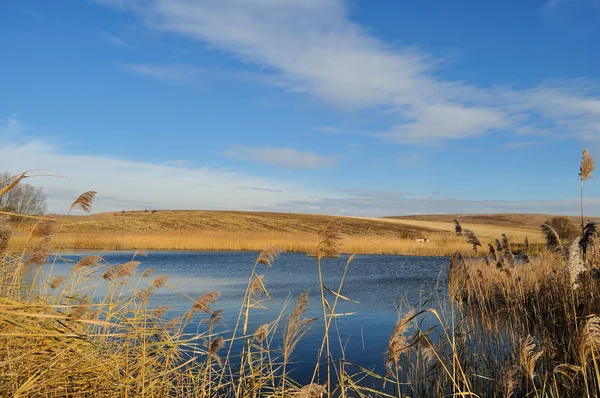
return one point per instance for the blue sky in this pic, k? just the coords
(328, 106)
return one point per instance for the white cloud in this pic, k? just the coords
(113, 40)
(178, 73)
(386, 203)
(33, 14)
(130, 184)
(520, 144)
(11, 128)
(552, 4)
(447, 121)
(287, 158)
(313, 47)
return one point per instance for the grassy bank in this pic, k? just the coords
(253, 231)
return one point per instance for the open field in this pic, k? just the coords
(445, 223)
(506, 221)
(229, 230)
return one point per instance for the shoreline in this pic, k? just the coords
(95, 250)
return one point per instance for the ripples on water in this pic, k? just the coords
(377, 282)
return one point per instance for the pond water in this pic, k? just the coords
(377, 282)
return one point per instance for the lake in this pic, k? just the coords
(377, 282)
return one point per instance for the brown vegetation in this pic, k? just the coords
(510, 326)
(228, 230)
(508, 222)
(253, 231)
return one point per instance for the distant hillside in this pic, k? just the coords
(232, 221)
(526, 221)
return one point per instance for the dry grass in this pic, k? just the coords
(511, 224)
(253, 231)
(231, 221)
(440, 244)
(536, 317)
(509, 326)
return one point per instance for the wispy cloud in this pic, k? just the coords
(412, 160)
(552, 4)
(287, 158)
(179, 73)
(11, 128)
(130, 184)
(33, 14)
(259, 189)
(113, 39)
(386, 203)
(313, 47)
(520, 144)
(124, 183)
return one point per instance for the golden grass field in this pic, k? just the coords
(253, 231)
(510, 221)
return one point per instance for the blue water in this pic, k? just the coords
(379, 283)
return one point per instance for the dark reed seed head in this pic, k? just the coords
(84, 201)
(552, 239)
(40, 253)
(329, 241)
(458, 230)
(44, 228)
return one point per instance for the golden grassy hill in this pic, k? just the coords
(169, 221)
(238, 230)
(516, 220)
(233, 230)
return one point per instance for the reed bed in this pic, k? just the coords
(439, 244)
(514, 323)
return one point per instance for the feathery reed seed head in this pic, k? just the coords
(56, 281)
(552, 239)
(159, 281)
(44, 228)
(214, 347)
(458, 230)
(202, 304)
(110, 274)
(40, 253)
(127, 269)
(312, 390)
(398, 342)
(262, 332)
(588, 165)
(528, 357)
(87, 261)
(267, 256)
(159, 312)
(329, 241)
(84, 202)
